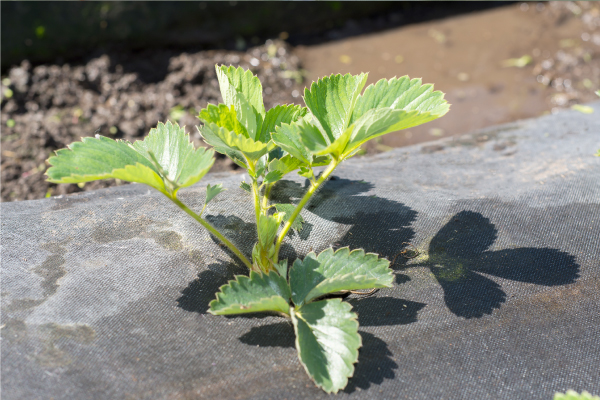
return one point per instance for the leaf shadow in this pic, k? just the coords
(202, 290)
(459, 253)
(375, 364)
(279, 334)
(385, 311)
(377, 225)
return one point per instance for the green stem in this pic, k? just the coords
(255, 190)
(265, 205)
(212, 230)
(309, 193)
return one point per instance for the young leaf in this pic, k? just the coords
(257, 293)
(233, 81)
(573, 395)
(331, 272)
(246, 187)
(282, 267)
(212, 191)
(237, 147)
(165, 160)
(332, 99)
(273, 177)
(279, 115)
(327, 341)
(284, 165)
(287, 210)
(224, 117)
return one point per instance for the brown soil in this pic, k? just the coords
(124, 95)
(120, 96)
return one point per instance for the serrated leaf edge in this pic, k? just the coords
(293, 316)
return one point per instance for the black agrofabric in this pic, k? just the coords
(105, 294)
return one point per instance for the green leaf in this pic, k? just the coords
(273, 177)
(279, 115)
(257, 293)
(212, 191)
(237, 147)
(332, 99)
(327, 341)
(284, 165)
(573, 395)
(246, 187)
(317, 143)
(267, 228)
(401, 94)
(170, 146)
(247, 116)
(173, 164)
(236, 80)
(282, 268)
(378, 122)
(331, 272)
(224, 117)
(287, 210)
(287, 136)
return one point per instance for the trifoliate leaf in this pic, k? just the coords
(273, 177)
(224, 117)
(332, 99)
(237, 147)
(331, 272)
(278, 115)
(257, 293)
(246, 187)
(573, 395)
(212, 191)
(165, 160)
(175, 154)
(236, 80)
(287, 210)
(401, 94)
(327, 341)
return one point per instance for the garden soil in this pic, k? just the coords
(105, 293)
(124, 94)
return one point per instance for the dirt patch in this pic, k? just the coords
(121, 96)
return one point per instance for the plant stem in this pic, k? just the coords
(212, 230)
(265, 205)
(309, 193)
(255, 190)
(256, 193)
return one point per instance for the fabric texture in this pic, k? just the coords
(105, 294)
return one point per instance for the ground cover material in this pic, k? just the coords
(105, 293)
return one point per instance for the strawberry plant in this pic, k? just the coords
(338, 118)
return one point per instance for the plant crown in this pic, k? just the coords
(338, 118)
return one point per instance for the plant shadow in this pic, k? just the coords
(459, 253)
(377, 225)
